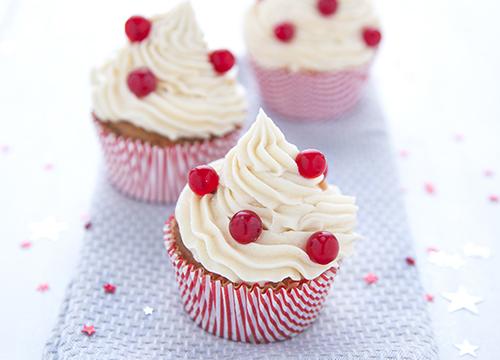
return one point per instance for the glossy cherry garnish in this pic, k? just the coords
(311, 163)
(371, 36)
(322, 247)
(327, 7)
(141, 82)
(245, 226)
(203, 180)
(137, 28)
(222, 60)
(284, 31)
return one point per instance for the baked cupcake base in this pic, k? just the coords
(241, 312)
(149, 167)
(310, 95)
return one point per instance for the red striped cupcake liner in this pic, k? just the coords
(310, 95)
(153, 173)
(241, 312)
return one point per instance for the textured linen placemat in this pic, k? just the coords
(386, 320)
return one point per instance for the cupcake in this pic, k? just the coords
(164, 104)
(311, 57)
(257, 238)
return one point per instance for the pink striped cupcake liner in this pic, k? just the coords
(310, 95)
(241, 312)
(157, 174)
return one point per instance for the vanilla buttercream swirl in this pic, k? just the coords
(320, 43)
(190, 101)
(260, 174)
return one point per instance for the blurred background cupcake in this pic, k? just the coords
(164, 104)
(311, 57)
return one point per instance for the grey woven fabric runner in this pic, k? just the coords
(387, 320)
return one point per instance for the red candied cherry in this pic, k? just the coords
(327, 7)
(322, 247)
(137, 28)
(311, 163)
(372, 36)
(203, 180)
(284, 31)
(245, 226)
(141, 82)
(222, 60)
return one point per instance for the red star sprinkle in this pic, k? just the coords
(429, 188)
(404, 153)
(488, 173)
(109, 288)
(88, 225)
(89, 330)
(42, 287)
(431, 249)
(410, 261)
(370, 278)
(26, 245)
(48, 167)
(494, 198)
(429, 297)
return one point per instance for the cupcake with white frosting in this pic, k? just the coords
(257, 238)
(164, 104)
(311, 57)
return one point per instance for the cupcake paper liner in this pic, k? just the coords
(157, 174)
(310, 95)
(241, 312)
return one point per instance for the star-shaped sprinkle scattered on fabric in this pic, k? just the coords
(429, 188)
(48, 166)
(429, 297)
(89, 330)
(475, 250)
(466, 348)
(494, 198)
(88, 225)
(488, 173)
(109, 288)
(48, 229)
(444, 259)
(370, 278)
(404, 153)
(148, 310)
(44, 287)
(4, 148)
(25, 244)
(462, 300)
(410, 261)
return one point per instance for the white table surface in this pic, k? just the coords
(438, 78)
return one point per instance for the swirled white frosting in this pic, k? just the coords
(260, 174)
(321, 43)
(191, 100)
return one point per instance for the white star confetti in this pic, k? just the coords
(462, 300)
(466, 348)
(444, 259)
(148, 310)
(475, 250)
(47, 229)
